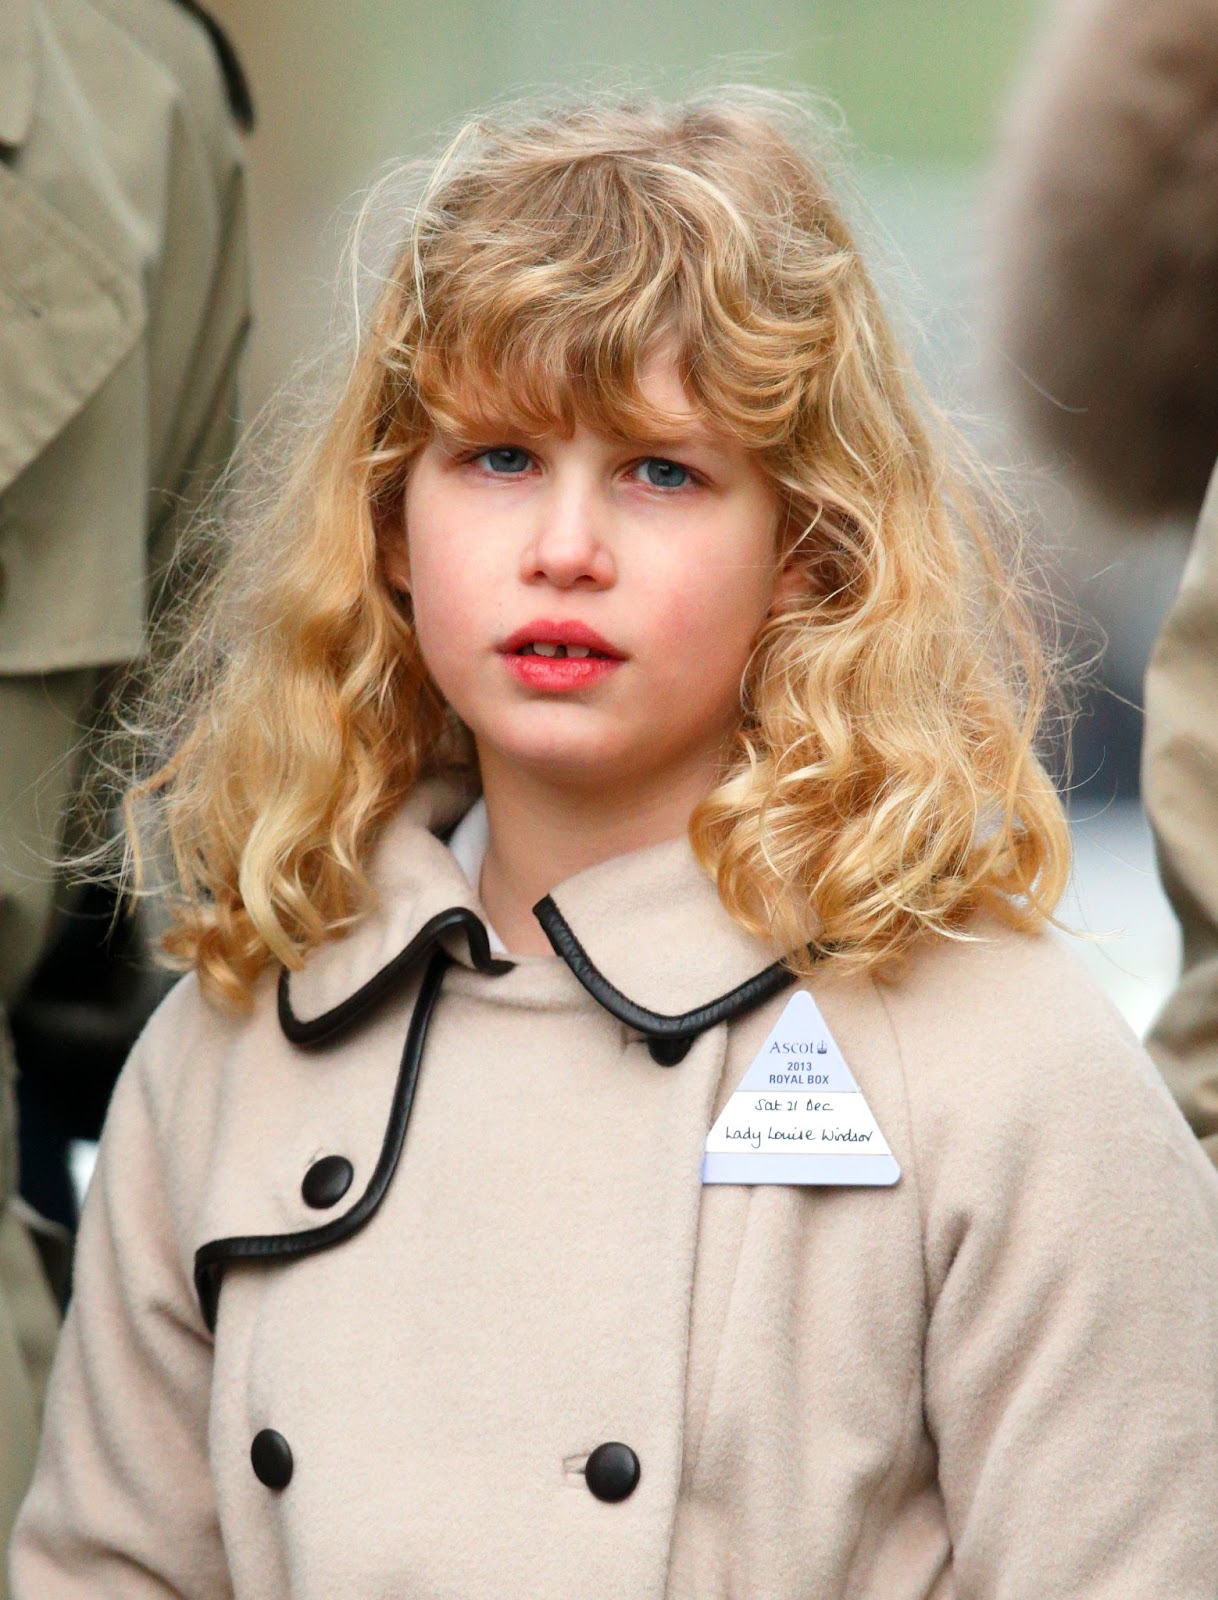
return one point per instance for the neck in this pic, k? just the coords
(542, 833)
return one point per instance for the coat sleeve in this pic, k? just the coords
(122, 1502)
(1071, 1236)
(1180, 783)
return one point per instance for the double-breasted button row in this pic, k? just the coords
(611, 1471)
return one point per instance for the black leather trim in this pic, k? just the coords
(334, 1023)
(665, 1034)
(212, 1258)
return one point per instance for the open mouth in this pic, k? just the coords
(578, 651)
(548, 666)
(559, 639)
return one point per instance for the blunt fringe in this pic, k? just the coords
(884, 782)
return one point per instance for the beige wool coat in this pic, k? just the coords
(355, 1314)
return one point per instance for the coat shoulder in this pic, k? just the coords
(186, 43)
(1032, 1104)
(1002, 1033)
(179, 1061)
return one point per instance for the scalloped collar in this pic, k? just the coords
(645, 932)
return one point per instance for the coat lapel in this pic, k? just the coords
(414, 876)
(645, 932)
(652, 924)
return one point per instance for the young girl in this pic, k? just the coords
(628, 1131)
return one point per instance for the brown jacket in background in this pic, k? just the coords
(995, 1380)
(1103, 239)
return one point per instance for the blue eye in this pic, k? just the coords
(505, 460)
(661, 474)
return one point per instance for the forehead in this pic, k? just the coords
(660, 386)
(615, 284)
(650, 405)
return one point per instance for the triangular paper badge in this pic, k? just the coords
(797, 1115)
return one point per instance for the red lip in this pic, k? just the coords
(548, 632)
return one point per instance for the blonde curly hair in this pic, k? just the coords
(883, 782)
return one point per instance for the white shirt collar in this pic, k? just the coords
(468, 843)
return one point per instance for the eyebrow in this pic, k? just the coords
(697, 437)
(481, 434)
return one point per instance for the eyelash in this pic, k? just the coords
(695, 478)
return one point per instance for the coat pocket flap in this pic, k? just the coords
(67, 318)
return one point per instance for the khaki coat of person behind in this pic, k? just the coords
(1103, 241)
(1180, 783)
(123, 312)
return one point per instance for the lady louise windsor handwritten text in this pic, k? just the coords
(803, 1122)
(798, 1115)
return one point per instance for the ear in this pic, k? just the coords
(788, 585)
(397, 564)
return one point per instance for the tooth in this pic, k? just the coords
(578, 650)
(544, 648)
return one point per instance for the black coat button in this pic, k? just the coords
(612, 1471)
(669, 1051)
(271, 1456)
(327, 1181)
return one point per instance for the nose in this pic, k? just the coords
(569, 545)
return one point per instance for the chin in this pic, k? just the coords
(589, 755)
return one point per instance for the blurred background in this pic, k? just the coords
(919, 88)
(343, 90)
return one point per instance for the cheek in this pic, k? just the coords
(704, 616)
(444, 597)
(700, 645)
(443, 602)
(711, 616)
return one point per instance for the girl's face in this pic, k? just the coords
(657, 556)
